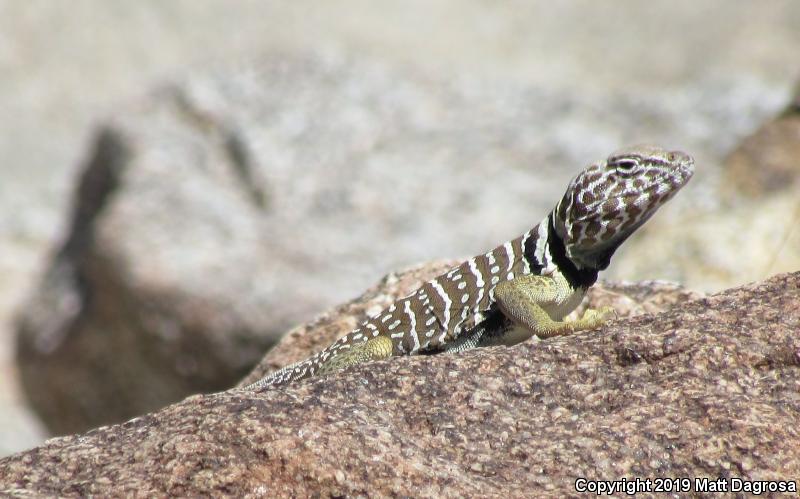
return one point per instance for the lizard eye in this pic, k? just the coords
(626, 166)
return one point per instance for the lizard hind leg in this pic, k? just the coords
(379, 347)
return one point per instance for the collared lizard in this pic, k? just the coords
(525, 286)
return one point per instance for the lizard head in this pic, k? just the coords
(610, 199)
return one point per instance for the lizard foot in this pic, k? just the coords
(595, 317)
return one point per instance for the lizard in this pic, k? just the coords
(525, 286)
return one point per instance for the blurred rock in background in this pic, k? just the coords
(766, 163)
(245, 165)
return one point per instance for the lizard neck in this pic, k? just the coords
(577, 277)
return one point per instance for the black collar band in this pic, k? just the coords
(577, 278)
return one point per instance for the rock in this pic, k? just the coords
(225, 208)
(768, 161)
(704, 389)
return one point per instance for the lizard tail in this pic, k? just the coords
(292, 372)
(302, 369)
(349, 350)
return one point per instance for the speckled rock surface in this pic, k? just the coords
(709, 388)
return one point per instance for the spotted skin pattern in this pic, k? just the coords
(525, 286)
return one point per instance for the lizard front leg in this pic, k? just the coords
(537, 305)
(379, 347)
